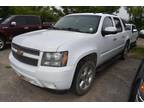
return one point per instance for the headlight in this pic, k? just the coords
(141, 88)
(55, 59)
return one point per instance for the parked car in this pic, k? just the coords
(18, 24)
(141, 33)
(137, 92)
(66, 56)
(133, 33)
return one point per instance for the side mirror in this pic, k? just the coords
(109, 30)
(13, 23)
(134, 30)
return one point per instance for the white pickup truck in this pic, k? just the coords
(66, 56)
(133, 33)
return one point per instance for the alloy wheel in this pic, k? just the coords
(85, 78)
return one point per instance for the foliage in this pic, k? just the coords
(137, 52)
(93, 9)
(46, 13)
(136, 16)
(52, 13)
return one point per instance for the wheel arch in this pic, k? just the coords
(92, 55)
(2, 36)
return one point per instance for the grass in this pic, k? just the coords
(8, 67)
(137, 52)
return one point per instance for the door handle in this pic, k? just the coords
(26, 28)
(114, 39)
(39, 27)
(123, 36)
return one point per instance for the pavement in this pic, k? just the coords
(112, 84)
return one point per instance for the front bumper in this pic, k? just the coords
(139, 98)
(59, 78)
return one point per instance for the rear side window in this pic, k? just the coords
(118, 24)
(107, 23)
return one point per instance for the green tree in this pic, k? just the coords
(136, 14)
(51, 13)
(91, 9)
(4, 11)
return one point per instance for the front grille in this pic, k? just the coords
(25, 59)
(27, 50)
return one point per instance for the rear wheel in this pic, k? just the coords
(84, 77)
(125, 51)
(2, 43)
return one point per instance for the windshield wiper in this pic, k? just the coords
(56, 28)
(69, 29)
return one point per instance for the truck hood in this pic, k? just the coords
(47, 40)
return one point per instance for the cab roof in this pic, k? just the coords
(99, 14)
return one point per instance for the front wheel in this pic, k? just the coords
(2, 43)
(84, 77)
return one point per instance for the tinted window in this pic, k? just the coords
(83, 23)
(20, 20)
(33, 20)
(134, 27)
(128, 27)
(7, 20)
(118, 24)
(107, 23)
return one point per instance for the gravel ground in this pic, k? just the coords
(111, 84)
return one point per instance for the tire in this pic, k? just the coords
(125, 51)
(84, 77)
(2, 43)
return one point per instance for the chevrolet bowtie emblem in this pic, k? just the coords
(19, 52)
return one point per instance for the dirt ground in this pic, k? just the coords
(111, 84)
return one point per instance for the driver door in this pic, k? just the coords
(107, 45)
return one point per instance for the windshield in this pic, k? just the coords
(6, 21)
(79, 23)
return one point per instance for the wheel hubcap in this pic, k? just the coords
(1, 44)
(86, 78)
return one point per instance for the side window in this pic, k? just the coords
(20, 20)
(107, 23)
(133, 27)
(118, 24)
(128, 27)
(32, 20)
